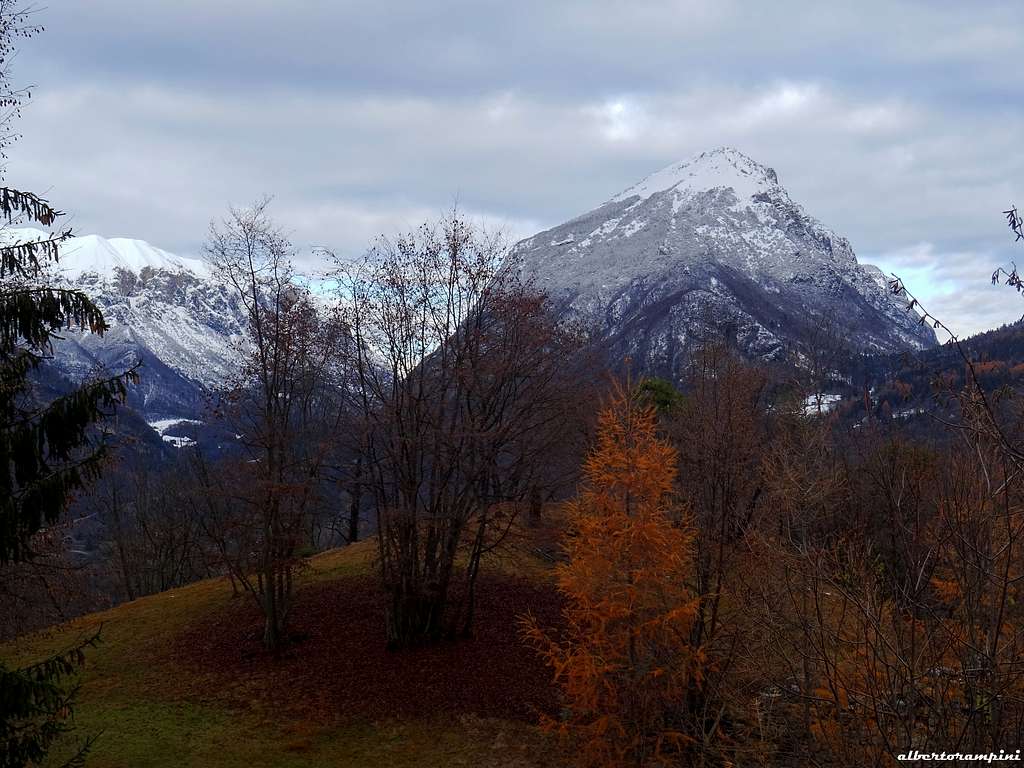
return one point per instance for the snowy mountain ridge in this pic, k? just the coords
(713, 246)
(102, 256)
(708, 248)
(725, 167)
(164, 310)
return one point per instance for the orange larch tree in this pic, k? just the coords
(624, 662)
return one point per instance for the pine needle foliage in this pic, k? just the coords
(48, 449)
(36, 703)
(625, 663)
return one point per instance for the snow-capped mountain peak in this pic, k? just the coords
(724, 167)
(711, 247)
(168, 312)
(93, 254)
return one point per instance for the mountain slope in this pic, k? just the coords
(163, 310)
(154, 700)
(712, 247)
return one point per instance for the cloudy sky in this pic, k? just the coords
(898, 124)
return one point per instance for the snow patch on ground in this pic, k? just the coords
(633, 227)
(606, 228)
(179, 442)
(160, 426)
(828, 402)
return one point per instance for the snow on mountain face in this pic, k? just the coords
(98, 255)
(162, 309)
(709, 247)
(722, 168)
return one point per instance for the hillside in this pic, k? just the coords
(917, 386)
(180, 679)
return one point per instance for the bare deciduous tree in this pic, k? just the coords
(285, 406)
(465, 385)
(156, 540)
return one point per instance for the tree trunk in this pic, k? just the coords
(536, 508)
(353, 508)
(271, 614)
(414, 618)
(271, 634)
(121, 533)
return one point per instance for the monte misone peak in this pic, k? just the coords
(709, 247)
(724, 167)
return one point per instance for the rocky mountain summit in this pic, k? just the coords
(164, 311)
(708, 248)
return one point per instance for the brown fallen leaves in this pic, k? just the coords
(335, 666)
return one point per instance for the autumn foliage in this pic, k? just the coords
(625, 664)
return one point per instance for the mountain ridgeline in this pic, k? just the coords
(713, 248)
(707, 249)
(167, 312)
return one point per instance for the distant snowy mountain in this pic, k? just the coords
(163, 310)
(92, 254)
(709, 247)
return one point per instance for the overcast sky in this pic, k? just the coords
(899, 125)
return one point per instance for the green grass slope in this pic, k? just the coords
(156, 698)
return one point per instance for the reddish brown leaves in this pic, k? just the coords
(625, 664)
(336, 666)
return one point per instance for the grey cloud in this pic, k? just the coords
(583, 46)
(894, 123)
